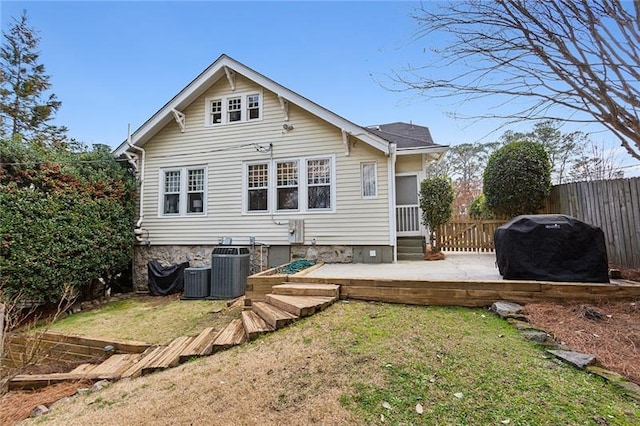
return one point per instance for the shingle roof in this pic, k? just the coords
(404, 135)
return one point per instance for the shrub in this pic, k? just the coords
(436, 201)
(478, 209)
(517, 179)
(66, 218)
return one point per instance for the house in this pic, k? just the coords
(237, 156)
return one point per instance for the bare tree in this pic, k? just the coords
(568, 60)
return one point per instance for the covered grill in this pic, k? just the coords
(551, 248)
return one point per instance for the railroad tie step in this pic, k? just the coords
(272, 315)
(169, 356)
(306, 289)
(201, 345)
(300, 306)
(232, 335)
(254, 325)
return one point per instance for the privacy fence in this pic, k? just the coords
(613, 205)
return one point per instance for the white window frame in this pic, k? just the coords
(275, 185)
(272, 202)
(363, 179)
(184, 191)
(309, 185)
(244, 108)
(245, 187)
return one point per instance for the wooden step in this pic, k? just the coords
(135, 370)
(275, 317)
(303, 289)
(233, 334)
(254, 325)
(201, 345)
(36, 381)
(114, 367)
(301, 306)
(168, 357)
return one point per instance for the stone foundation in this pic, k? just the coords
(200, 256)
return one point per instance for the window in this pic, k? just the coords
(258, 184)
(319, 184)
(172, 192)
(287, 185)
(253, 107)
(303, 185)
(234, 109)
(238, 108)
(216, 111)
(195, 191)
(369, 178)
(183, 192)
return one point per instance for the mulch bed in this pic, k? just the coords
(609, 331)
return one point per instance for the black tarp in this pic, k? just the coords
(165, 280)
(551, 248)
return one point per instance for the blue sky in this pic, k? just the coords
(117, 62)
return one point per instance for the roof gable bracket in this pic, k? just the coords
(180, 119)
(345, 142)
(284, 104)
(231, 76)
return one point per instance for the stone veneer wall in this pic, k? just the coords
(200, 256)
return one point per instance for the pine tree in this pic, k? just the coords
(25, 106)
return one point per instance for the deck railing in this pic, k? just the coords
(407, 218)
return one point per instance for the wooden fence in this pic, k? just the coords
(613, 205)
(465, 234)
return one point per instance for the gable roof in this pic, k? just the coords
(217, 70)
(409, 138)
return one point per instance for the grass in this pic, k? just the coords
(146, 319)
(367, 364)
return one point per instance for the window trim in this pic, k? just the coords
(274, 183)
(244, 108)
(303, 207)
(375, 179)
(184, 191)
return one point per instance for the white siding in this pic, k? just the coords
(356, 221)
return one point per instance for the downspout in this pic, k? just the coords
(138, 229)
(391, 167)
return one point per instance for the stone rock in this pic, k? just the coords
(577, 359)
(82, 391)
(521, 325)
(97, 386)
(40, 410)
(535, 335)
(506, 309)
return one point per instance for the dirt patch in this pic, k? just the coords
(610, 331)
(16, 406)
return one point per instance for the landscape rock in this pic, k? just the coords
(82, 391)
(535, 335)
(97, 386)
(39, 411)
(577, 359)
(506, 309)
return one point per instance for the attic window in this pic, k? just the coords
(238, 108)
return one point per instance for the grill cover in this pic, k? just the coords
(551, 248)
(165, 280)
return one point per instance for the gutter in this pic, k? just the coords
(137, 231)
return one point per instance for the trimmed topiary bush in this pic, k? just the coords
(436, 202)
(517, 179)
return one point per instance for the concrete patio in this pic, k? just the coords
(455, 266)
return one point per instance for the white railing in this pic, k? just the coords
(407, 218)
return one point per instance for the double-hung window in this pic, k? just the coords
(369, 177)
(302, 185)
(183, 191)
(258, 187)
(319, 184)
(241, 107)
(287, 184)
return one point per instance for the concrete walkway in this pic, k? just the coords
(455, 266)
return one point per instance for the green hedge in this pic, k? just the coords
(66, 218)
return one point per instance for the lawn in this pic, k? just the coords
(148, 319)
(366, 363)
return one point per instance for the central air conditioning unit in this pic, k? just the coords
(196, 283)
(229, 272)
